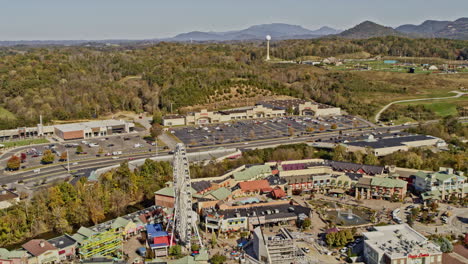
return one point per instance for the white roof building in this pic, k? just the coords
(395, 244)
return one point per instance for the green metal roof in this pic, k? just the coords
(169, 191)
(388, 182)
(421, 174)
(443, 176)
(4, 253)
(15, 254)
(86, 232)
(440, 176)
(221, 193)
(120, 222)
(431, 195)
(251, 172)
(78, 238)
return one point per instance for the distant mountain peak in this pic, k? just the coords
(457, 29)
(276, 30)
(462, 20)
(369, 29)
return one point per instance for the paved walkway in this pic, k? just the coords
(377, 116)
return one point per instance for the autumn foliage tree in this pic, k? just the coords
(156, 130)
(14, 163)
(64, 156)
(48, 157)
(65, 207)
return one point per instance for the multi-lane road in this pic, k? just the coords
(85, 166)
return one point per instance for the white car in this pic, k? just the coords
(344, 250)
(115, 157)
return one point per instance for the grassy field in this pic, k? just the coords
(25, 142)
(379, 65)
(443, 107)
(5, 114)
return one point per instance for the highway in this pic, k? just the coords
(85, 166)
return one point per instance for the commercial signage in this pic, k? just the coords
(420, 255)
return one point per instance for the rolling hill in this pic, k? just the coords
(457, 29)
(369, 29)
(427, 28)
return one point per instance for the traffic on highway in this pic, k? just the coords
(107, 151)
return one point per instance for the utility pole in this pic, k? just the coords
(171, 107)
(68, 162)
(156, 146)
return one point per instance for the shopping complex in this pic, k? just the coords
(70, 131)
(263, 109)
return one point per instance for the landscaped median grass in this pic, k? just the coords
(25, 142)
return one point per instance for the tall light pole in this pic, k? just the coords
(68, 162)
(268, 38)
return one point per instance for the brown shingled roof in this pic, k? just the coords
(38, 246)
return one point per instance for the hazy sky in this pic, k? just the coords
(139, 19)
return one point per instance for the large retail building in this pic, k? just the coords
(266, 109)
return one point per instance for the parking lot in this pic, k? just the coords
(262, 129)
(105, 146)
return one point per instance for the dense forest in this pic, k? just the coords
(65, 207)
(384, 46)
(84, 82)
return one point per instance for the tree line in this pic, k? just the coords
(65, 207)
(63, 83)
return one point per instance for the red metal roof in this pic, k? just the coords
(250, 186)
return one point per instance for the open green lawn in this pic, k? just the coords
(25, 142)
(5, 114)
(443, 107)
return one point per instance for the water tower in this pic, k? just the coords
(268, 38)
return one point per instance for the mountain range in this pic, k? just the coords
(457, 29)
(275, 30)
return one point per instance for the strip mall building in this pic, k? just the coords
(267, 109)
(70, 131)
